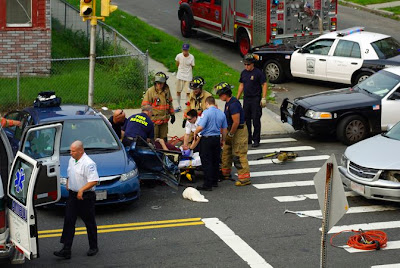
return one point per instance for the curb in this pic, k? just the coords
(383, 13)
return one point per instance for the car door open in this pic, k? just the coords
(34, 181)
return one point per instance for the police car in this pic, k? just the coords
(351, 113)
(347, 56)
(27, 183)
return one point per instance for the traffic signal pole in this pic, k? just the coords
(88, 12)
(92, 59)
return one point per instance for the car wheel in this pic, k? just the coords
(274, 72)
(361, 77)
(243, 43)
(186, 28)
(352, 129)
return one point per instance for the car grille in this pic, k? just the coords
(108, 182)
(362, 172)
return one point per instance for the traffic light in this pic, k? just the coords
(107, 8)
(86, 8)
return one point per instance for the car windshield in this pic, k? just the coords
(394, 132)
(380, 83)
(386, 48)
(94, 134)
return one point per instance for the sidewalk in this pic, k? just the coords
(376, 8)
(270, 122)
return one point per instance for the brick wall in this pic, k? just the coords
(31, 43)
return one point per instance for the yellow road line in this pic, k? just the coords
(125, 225)
(51, 233)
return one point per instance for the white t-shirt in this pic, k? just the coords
(190, 127)
(81, 172)
(185, 67)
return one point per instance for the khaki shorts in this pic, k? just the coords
(182, 85)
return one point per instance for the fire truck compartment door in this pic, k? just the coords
(228, 17)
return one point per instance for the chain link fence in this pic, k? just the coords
(121, 73)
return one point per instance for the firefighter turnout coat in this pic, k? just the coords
(197, 103)
(161, 101)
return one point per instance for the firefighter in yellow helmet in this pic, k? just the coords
(235, 147)
(159, 97)
(197, 98)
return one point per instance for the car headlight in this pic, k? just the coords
(318, 115)
(393, 175)
(343, 161)
(131, 174)
(63, 181)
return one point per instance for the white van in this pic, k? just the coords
(25, 184)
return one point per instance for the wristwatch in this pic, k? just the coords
(230, 135)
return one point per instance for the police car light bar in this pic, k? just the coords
(349, 31)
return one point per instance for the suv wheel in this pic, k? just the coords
(352, 129)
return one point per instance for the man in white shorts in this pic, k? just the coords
(185, 64)
(191, 125)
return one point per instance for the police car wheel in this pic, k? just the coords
(361, 77)
(274, 72)
(352, 129)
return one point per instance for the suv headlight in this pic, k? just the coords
(343, 161)
(63, 181)
(131, 174)
(318, 115)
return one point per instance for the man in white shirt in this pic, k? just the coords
(82, 179)
(185, 64)
(190, 128)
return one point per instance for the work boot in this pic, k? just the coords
(242, 182)
(255, 144)
(63, 253)
(92, 251)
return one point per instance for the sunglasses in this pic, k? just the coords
(122, 111)
(189, 118)
(247, 64)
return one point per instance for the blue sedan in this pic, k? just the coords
(119, 178)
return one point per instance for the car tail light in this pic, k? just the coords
(333, 24)
(2, 216)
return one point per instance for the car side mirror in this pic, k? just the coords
(395, 96)
(304, 50)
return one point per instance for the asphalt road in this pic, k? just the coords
(255, 215)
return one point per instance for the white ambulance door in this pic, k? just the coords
(310, 61)
(33, 183)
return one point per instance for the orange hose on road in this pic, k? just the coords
(368, 240)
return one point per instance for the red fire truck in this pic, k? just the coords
(252, 23)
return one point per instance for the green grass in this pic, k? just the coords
(163, 48)
(118, 82)
(395, 10)
(370, 2)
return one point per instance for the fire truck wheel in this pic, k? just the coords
(274, 72)
(243, 43)
(186, 28)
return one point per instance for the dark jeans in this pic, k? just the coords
(86, 210)
(252, 113)
(210, 155)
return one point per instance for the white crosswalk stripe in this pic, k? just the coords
(389, 245)
(284, 172)
(366, 226)
(298, 159)
(295, 198)
(268, 151)
(393, 265)
(274, 185)
(351, 210)
(276, 140)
